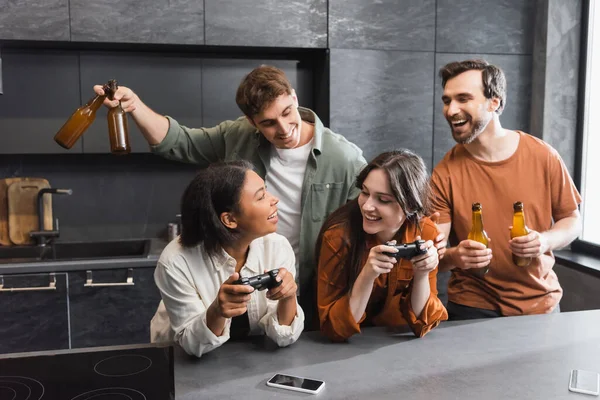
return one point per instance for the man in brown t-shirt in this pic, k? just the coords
(498, 167)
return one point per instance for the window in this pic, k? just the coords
(589, 182)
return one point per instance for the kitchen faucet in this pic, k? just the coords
(43, 235)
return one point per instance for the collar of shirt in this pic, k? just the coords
(224, 260)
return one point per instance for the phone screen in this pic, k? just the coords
(295, 381)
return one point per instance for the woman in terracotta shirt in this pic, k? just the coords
(357, 283)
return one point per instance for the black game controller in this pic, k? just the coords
(407, 250)
(261, 282)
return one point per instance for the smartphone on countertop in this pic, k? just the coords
(586, 382)
(296, 383)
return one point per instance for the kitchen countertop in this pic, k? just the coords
(528, 357)
(156, 247)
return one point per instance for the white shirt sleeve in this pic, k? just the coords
(187, 311)
(283, 335)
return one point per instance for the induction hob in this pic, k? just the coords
(140, 373)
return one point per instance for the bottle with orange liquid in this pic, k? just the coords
(80, 121)
(478, 234)
(519, 228)
(118, 130)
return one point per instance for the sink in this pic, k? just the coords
(20, 253)
(65, 251)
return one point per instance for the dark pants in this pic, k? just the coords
(458, 312)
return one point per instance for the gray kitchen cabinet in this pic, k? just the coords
(34, 312)
(169, 84)
(266, 23)
(112, 307)
(34, 20)
(40, 92)
(137, 21)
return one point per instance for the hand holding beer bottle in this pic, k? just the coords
(478, 234)
(519, 228)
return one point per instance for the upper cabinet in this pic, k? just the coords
(268, 23)
(41, 91)
(34, 20)
(136, 21)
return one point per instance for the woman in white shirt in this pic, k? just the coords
(228, 231)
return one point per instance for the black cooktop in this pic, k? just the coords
(125, 374)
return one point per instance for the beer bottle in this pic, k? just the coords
(478, 234)
(118, 131)
(519, 229)
(78, 123)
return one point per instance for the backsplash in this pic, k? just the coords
(113, 197)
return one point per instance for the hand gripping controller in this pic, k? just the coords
(407, 250)
(261, 282)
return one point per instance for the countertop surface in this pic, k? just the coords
(528, 357)
(156, 247)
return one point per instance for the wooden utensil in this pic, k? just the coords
(4, 183)
(23, 210)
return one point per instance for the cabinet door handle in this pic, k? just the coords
(51, 286)
(90, 283)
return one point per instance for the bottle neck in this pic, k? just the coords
(519, 219)
(95, 103)
(477, 222)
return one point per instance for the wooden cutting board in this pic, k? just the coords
(23, 211)
(4, 183)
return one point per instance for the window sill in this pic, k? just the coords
(581, 262)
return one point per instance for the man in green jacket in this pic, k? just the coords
(308, 167)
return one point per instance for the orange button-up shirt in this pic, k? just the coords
(389, 304)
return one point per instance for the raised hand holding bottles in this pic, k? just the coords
(478, 234)
(519, 228)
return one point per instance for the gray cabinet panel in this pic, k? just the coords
(485, 26)
(112, 315)
(41, 91)
(272, 23)
(34, 20)
(221, 78)
(389, 103)
(34, 320)
(518, 98)
(137, 21)
(383, 25)
(169, 84)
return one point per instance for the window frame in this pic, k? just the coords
(579, 245)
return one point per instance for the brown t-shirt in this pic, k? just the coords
(389, 303)
(535, 175)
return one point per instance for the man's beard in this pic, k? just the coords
(478, 126)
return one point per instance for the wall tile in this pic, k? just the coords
(516, 113)
(485, 26)
(136, 21)
(562, 78)
(34, 20)
(41, 91)
(272, 23)
(388, 103)
(382, 25)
